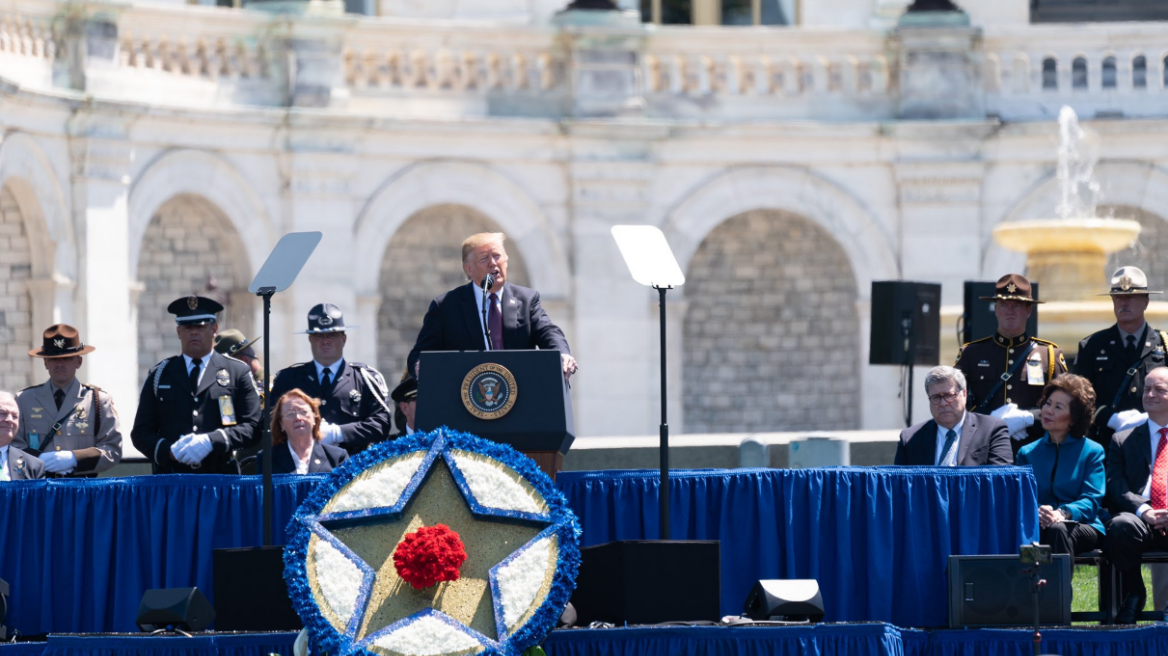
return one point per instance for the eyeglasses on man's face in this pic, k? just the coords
(942, 399)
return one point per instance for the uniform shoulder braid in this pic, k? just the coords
(1044, 342)
(92, 387)
(373, 375)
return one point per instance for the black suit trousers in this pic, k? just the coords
(1128, 537)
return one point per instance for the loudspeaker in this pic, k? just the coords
(180, 608)
(903, 314)
(994, 591)
(978, 318)
(250, 593)
(3, 609)
(792, 600)
(649, 582)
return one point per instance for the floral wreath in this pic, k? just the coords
(439, 543)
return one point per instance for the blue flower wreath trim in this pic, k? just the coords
(559, 520)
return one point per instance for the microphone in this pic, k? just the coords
(488, 282)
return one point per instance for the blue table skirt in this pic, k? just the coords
(78, 554)
(876, 538)
(258, 644)
(823, 640)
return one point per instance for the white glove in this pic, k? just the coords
(330, 433)
(1122, 421)
(1017, 421)
(197, 448)
(179, 448)
(59, 462)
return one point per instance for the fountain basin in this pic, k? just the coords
(1102, 236)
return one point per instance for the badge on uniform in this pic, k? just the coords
(223, 378)
(227, 411)
(34, 441)
(355, 396)
(1034, 374)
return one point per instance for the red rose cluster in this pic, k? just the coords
(429, 555)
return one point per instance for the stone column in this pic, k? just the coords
(617, 391)
(602, 50)
(940, 61)
(307, 39)
(105, 314)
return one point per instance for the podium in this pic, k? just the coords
(518, 398)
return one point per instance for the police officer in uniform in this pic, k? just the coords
(1117, 360)
(196, 408)
(1007, 370)
(405, 395)
(352, 395)
(72, 427)
(232, 342)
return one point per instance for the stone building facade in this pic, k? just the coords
(162, 150)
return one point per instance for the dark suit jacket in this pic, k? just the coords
(1129, 463)
(1103, 360)
(984, 441)
(173, 409)
(351, 404)
(453, 323)
(22, 466)
(324, 459)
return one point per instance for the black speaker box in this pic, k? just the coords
(181, 608)
(250, 594)
(785, 599)
(994, 591)
(903, 314)
(649, 582)
(978, 318)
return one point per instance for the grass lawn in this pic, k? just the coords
(1085, 588)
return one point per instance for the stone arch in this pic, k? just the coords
(209, 176)
(771, 329)
(42, 202)
(189, 247)
(529, 232)
(16, 326)
(1123, 184)
(868, 244)
(423, 253)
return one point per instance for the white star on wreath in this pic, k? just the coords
(521, 545)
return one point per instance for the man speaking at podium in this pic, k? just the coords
(514, 317)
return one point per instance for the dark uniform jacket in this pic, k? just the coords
(22, 466)
(168, 409)
(1129, 463)
(323, 459)
(984, 361)
(454, 323)
(353, 404)
(90, 427)
(1103, 360)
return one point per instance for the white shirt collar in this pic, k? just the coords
(4, 456)
(301, 465)
(409, 431)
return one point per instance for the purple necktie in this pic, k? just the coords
(495, 322)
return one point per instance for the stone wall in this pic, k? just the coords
(189, 248)
(424, 259)
(16, 333)
(1148, 252)
(771, 331)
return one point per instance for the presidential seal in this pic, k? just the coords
(489, 391)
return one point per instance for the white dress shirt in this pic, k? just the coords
(4, 475)
(1154, 429)
(203, 363)
(478, 294)
(951, 461)
(333, 369)
(301, 465)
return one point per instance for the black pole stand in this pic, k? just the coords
(266, 293)
(910, 349)
(1036, 584)
(663, 492)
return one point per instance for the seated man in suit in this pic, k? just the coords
(954, 436)
(514, 317)
(14, 464)
(1137, 490)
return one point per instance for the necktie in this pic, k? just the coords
(196, 364)
(495, 323)
(1160, 473)
(1132, 353)
(59, 398)
(326, 381)
(950, 438)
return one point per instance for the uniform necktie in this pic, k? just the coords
(196, 364)
(950, 438)
(326, 381)
(1132, 353)
(1160, 473)
(495, 323)
(59, 398)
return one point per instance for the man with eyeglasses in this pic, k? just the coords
(1008, 370)
(353, 408)
(1137, 489)
(15, 465)
(954, 436)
